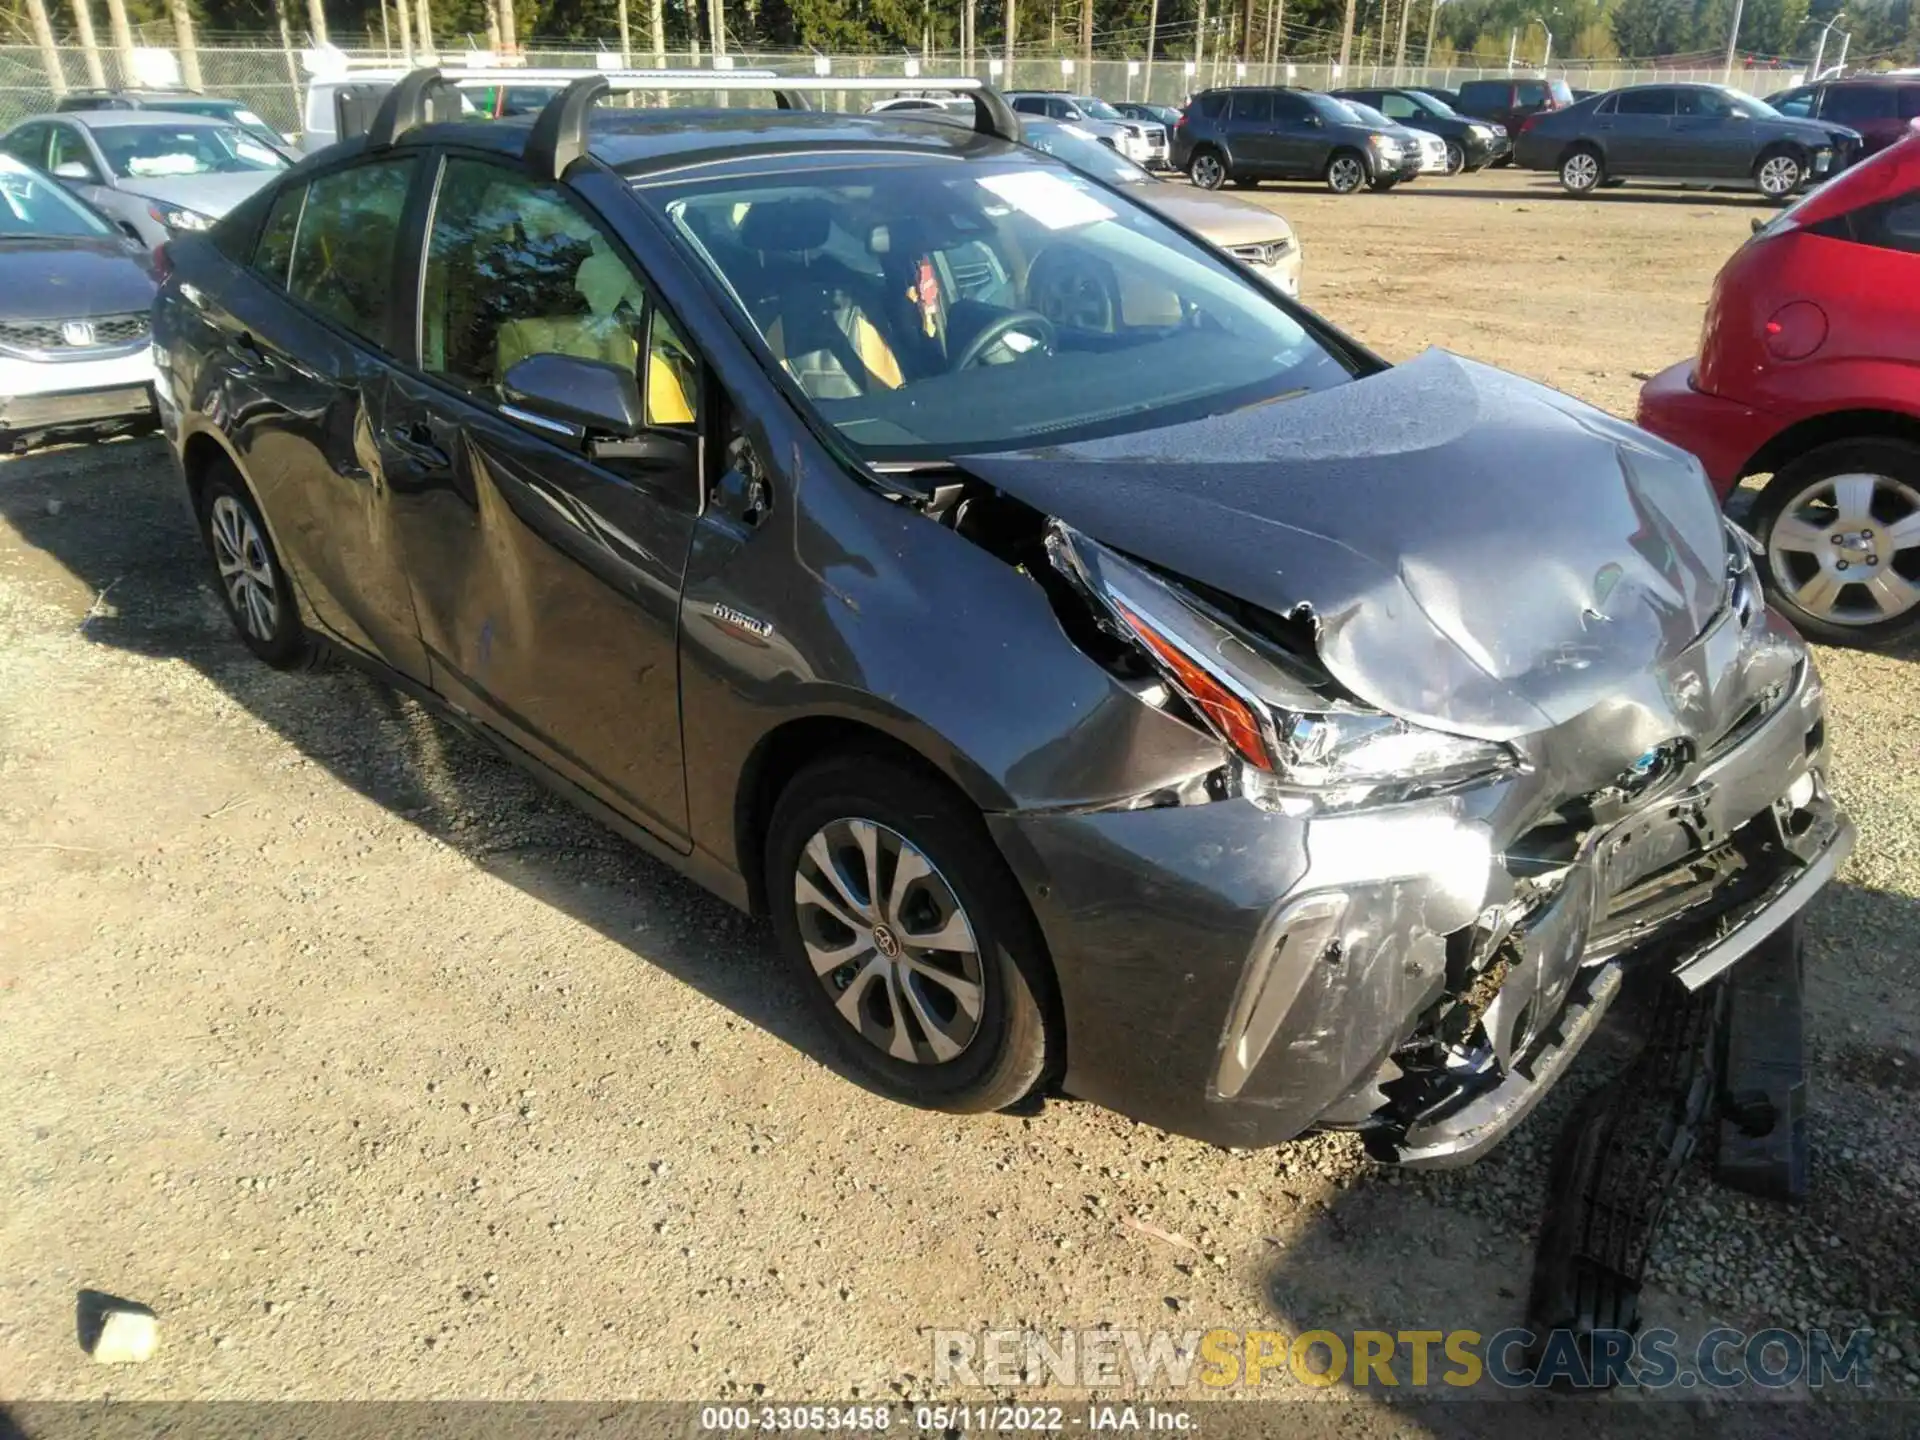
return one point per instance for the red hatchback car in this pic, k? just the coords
(1809, 371)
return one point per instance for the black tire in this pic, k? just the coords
(1008, 1054)
(1779, 172)
(1207, 168)
(1793, 486)
(1582, 170)
(1456, 157)
(229, 517)
(1347, 172)
(1383, 183)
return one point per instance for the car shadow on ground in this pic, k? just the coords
(1389, 1250)
(1441, 188)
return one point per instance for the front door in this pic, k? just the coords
(305, 388)
(547, 581)
(1711, 137)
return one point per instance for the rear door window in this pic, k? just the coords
(1399, 107)
(1655, 101)
(1848, 103)
(1253, 107)
(347, 241)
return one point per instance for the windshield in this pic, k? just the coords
(1097, 109)
(152, 152)
(927, 307)
(1431, 104)
(33, 205)
(1329, 108)
(1083, 151)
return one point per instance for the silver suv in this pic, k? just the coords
(1139, 141)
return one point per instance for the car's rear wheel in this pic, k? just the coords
(1841, 530)
(1582, 171)
(1207, 169)
(1346, 172)
(910, 939)
(1456, 157)
(253, 584)
(1778, 174)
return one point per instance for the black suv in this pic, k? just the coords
(1254, 134)
(902, 534)
(1510, 102)
(1699, 134)
(1472, 144)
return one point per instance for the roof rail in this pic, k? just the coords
(409, 104)
(560, 133)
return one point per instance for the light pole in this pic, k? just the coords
(1733, 39)
(1820, 47)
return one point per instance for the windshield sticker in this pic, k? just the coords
(1046, 198)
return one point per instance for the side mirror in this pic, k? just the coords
(70, 170)
(575, 397)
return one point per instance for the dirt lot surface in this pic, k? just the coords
(378, 1073)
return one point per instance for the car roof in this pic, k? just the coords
(638, 141)
(113, 119)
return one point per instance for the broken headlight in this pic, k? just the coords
(1299, 748)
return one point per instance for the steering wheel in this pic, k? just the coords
(1031, 321)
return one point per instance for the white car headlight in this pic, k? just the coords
(1300, 749)
(176, 217)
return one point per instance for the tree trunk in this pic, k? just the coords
(717, 10)
(317, 21)
(969, 18)
(509, 27)
(1013, 28)
(1346, 43)
(1086, 45)
(293, 66)
(1400, 54)
(626, 39)
(1249, 9)
(183, 37)
(1200, 42)
(122, 37)
(423, 12)
(1153, 31)
(49, 52)
(1276, 12)
(89, 43)
(660, 34)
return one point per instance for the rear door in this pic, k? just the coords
(304, 351)
(1642, 142)
(1257, 144)
(547, 581)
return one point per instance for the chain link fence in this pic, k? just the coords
(271, 81)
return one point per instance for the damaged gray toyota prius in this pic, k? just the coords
(1105, 675)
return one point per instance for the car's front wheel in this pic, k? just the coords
(1456, 157)
(1207, 169)
(253, 584)
(1779, 174)
(910, 939)
(1840, 527)
(1346, 172)
(1581, 171)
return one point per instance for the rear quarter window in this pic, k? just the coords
(1212, 104)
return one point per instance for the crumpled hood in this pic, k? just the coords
(1480, 553)
(211, 195)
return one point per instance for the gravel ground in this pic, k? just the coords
(378, 1073)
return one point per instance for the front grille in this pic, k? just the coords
(66, 336)
(1268, 252)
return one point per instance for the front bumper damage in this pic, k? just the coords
(1424, 972)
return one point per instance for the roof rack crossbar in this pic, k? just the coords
(560, 133)
(405, 107)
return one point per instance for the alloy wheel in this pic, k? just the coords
(1456, 158)
(246, 570)
(1345, 175)
(890, 941)
(1779, 176)
(1208, 172)
(1846, 549)
(1580, 172)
